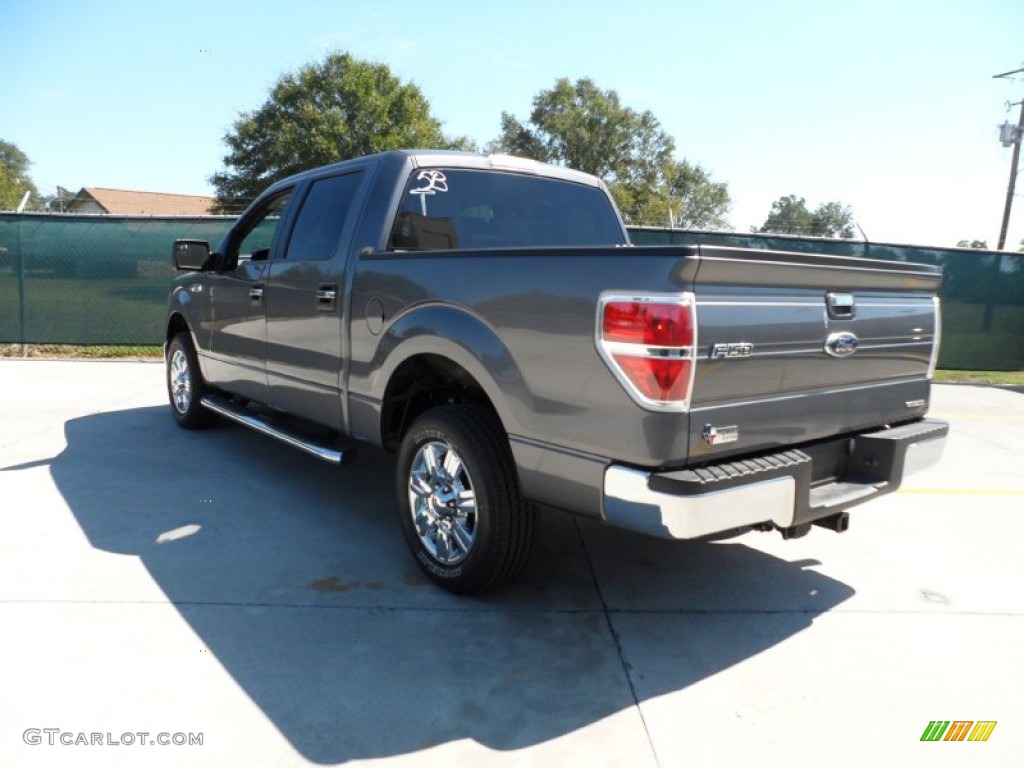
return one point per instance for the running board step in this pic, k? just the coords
(228, 410)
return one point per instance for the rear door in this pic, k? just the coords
(305, 301)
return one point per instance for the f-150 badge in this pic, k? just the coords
(735, 349)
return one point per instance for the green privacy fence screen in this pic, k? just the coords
(90, 279)
(103, 280)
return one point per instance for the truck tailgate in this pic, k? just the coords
(795, 347)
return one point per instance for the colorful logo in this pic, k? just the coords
(958, 730)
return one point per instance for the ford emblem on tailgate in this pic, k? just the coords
(841, 344)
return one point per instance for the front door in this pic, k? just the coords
(236, 325)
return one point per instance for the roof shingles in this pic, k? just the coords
(146, 203)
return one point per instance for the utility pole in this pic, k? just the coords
(1013, 136)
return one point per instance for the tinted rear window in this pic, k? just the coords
(465, 209)
(322, 217)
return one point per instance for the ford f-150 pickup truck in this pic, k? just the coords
(487, 319)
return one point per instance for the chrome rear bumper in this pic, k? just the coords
(775, 489)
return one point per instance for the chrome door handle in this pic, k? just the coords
(326, 297)
(841, 306)
(256, 293)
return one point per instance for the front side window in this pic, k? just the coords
(257, 237)
(448, 209)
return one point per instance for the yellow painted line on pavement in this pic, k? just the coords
(966, 491)
(977, 416)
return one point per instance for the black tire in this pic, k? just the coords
(185, 385)
(439, 518)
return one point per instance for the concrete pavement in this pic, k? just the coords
(156, 581)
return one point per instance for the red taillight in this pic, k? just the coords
(649, 342)
(639, 322)
(662, 380)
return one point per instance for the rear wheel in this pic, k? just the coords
(459, 503)
(185, 386)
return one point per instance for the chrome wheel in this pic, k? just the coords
(442, 501)
(180, 381)
(185, 385)
(459, 503)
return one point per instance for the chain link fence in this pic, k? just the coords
(103, 280)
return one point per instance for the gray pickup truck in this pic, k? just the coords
(487, 319)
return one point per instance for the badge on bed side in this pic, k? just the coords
(718, 435)
(732, 349)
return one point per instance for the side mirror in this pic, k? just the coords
(191, 255)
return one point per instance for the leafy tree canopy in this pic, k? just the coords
(14, 180)
(584, 127)
(325, 112)
(790, 215)
(977, 244)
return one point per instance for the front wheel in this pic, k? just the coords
(185, 386)
(459, 503)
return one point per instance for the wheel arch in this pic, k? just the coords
(431, 355)
(435, 354)
(176, 324)
(181, 316)
(423, 381)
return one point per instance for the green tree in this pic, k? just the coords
(833, 220)
(790, 215)
(976, 244)
(14, 180)
(584, 127)
(325, 112)
(696, 201)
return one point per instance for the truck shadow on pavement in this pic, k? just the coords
(295, 576)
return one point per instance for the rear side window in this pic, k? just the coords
(467, 209)
(318, 227)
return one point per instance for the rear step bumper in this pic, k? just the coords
(286, 434)
(775, 489)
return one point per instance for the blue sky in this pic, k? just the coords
(889, 107)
